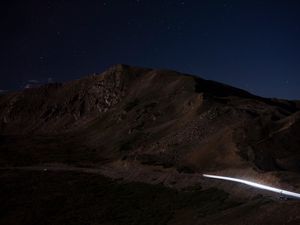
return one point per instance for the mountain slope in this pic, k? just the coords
(141, 129)
(159, 117)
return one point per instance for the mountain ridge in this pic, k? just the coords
(151, 115)
(148, 132)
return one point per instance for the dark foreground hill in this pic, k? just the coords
(128, 146)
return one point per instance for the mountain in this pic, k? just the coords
(156, 127)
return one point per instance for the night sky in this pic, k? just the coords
(254, 45)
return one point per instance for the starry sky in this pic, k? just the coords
(254, 45)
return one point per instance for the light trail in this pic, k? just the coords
(256, 185)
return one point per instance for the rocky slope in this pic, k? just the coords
(153, 126)
(160, 117)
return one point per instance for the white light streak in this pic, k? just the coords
(256, 185)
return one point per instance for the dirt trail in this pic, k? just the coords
(169, 177)
(126, 172)
(46, 168)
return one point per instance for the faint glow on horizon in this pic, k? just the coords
(256, 185)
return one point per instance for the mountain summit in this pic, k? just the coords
(160, 117)
(156, 127)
